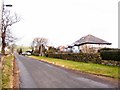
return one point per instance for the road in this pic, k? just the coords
(37, 74)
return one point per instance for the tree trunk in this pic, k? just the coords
(3, 43)
(39, 50)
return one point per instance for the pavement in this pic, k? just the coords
(37, 74)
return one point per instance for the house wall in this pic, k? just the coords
(75, 49)
(91, 48)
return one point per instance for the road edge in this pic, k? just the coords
(16, 78)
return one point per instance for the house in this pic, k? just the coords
(72, 48)
(62, 48)
(90, 44)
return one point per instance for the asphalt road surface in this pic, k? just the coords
(37, 74)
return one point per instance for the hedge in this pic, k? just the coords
(36, 54)
(79, 57)
(86, 57)
(110, 54)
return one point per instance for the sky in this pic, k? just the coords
(63, 22)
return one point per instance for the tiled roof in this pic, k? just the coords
(90, 39)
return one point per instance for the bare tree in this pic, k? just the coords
(39, 44)
(11, 48)
(8, 19)
(88, 49)
(52, 49)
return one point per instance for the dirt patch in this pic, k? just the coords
(16, 83)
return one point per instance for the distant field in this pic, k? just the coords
(104, 70)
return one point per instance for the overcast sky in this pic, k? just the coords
(65, 21)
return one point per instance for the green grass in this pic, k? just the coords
(110, 71)
(7, 72)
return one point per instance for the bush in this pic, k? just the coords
(36, 54)
(113, 54)
(106, 49)
(79, 57)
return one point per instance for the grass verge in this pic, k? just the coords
(7, 72)
(98, 69)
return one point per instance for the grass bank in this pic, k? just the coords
(104, 70)
(7, 72)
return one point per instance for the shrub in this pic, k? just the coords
(110, 54)
(36, 54)
(79, 57)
